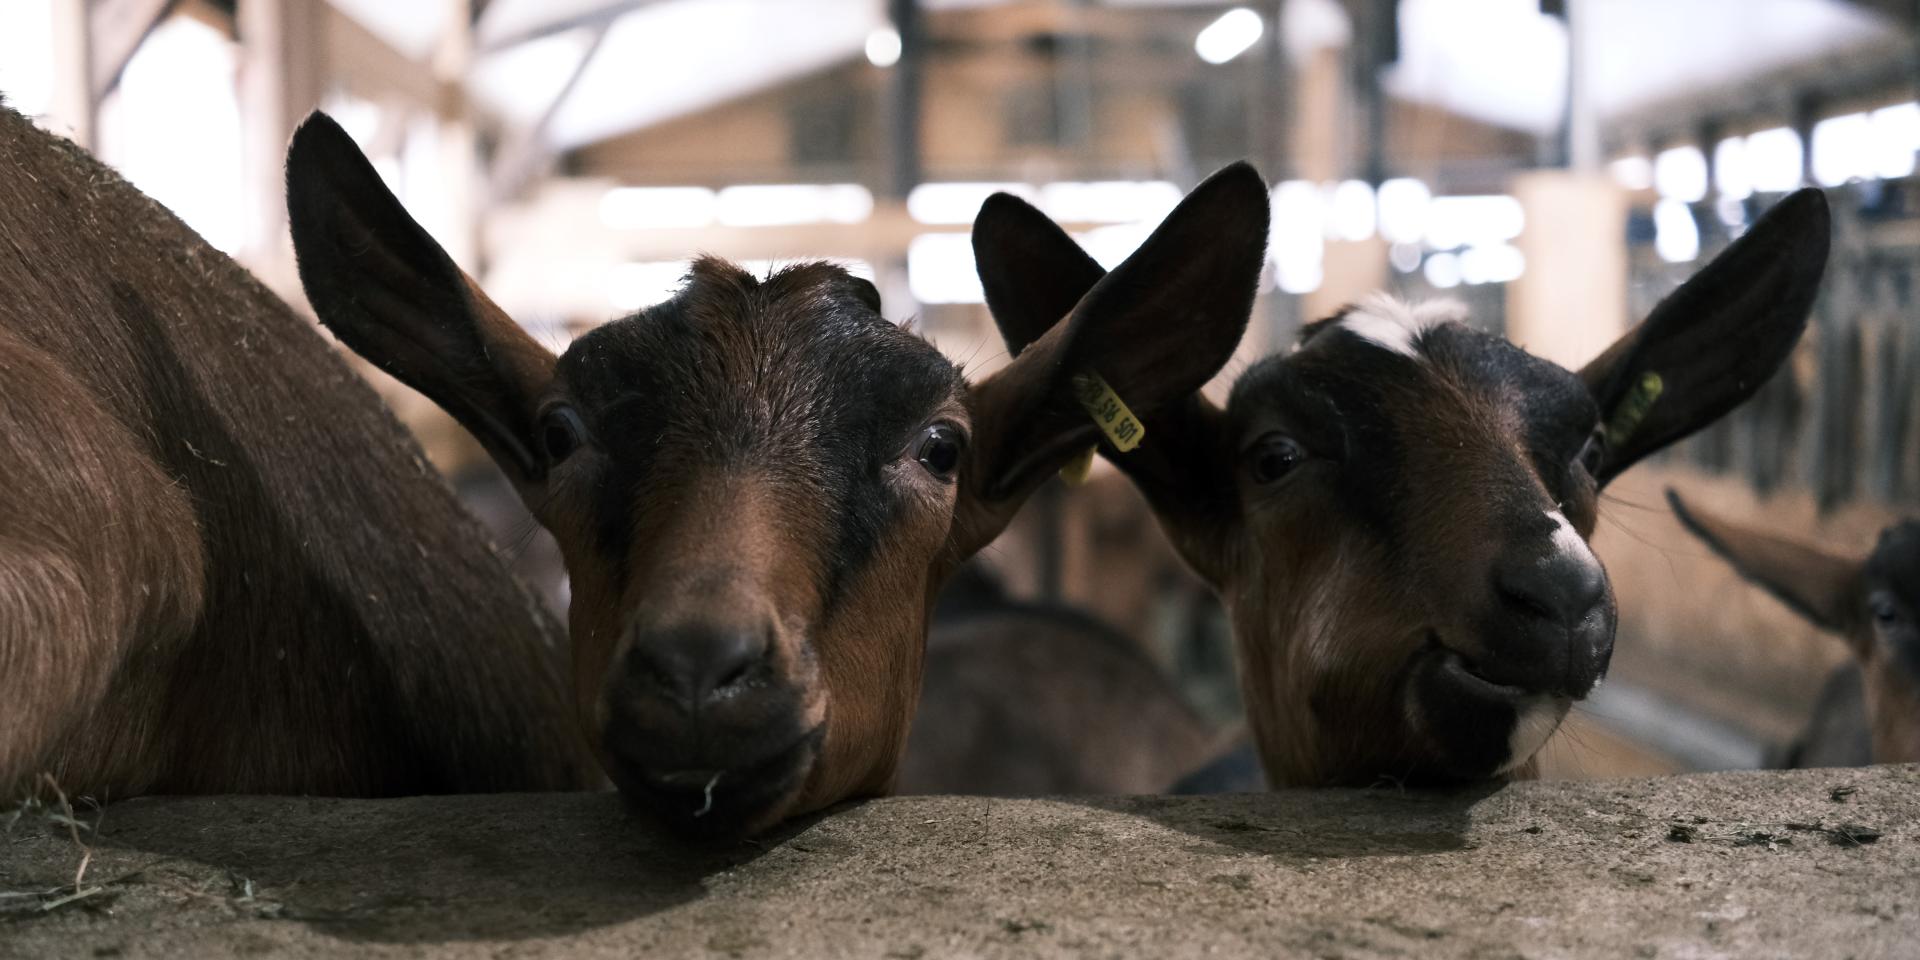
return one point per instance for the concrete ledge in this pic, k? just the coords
(1735, 865)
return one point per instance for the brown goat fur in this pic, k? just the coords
(1031, 700)
(224, 566)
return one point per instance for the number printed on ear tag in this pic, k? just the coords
(1108, 411)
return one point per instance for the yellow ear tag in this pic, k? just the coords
(1108, 411)
(1633, 409)
(1076, 471)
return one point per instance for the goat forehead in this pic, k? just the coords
(1455, 371)
(803, 388)
(1394, 325)
(1472, 416)
(1894, 564)
(740, 373)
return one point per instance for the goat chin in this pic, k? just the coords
(1532, 726)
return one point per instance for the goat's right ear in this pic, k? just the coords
(1824, 588)
(1156, 329)
(1032, 272)
(389, 292)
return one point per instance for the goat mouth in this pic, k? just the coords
(1474, 727)
(728, 799)
(1464, 673)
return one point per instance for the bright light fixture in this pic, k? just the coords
(1350, 209)
(1633, 173)
(789, 204)
(883, 47)
(644, 208)
(1459, 221)
(1774, 161)
(1229, 36)
(1681, 174)
(1676, 237)
(956, 202)
(1405, 257)
(1297, 241)
(1110, 246)
(1403, 210)
(940, 269)
(1730, 169)
(1896, 138)
(1109, 201)
(1492, 263)
(1842, 149)
(1443, 271)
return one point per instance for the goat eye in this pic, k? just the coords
(561, 433)
(1593, 452)
(938, 449)
(1273, 456)
(1883, 608)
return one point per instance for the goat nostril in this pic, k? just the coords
(735, 677)
(1560, 587)
(697, 663)
(1527, 602)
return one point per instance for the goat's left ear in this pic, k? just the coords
(1155, 330)
(1713, 342)
(1823, 587)
(387, 290)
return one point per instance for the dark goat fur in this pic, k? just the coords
(1029, 699)
(224, 566)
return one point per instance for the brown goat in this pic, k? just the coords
(1870, 601)
(1395, 514)
(224, 566)
(1027, 699)
(759, 485)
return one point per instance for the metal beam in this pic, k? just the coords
(371, 68)
(284, 59)
(116, 29)
(1903, 12)
(904, 94)
(526, 156)
(600, 16)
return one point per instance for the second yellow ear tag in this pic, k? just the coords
(1076, 471)
(1633, 409)
(1108, 411)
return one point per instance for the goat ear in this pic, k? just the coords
(1824, 588)
(1187, 476)
(1713, 342)
(1156, 330)
(1032, 272)
(389, 292)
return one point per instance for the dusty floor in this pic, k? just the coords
(1735, 865)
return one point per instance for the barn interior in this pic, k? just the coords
(1558, 166)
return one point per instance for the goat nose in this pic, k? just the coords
(697, 664)
(1555, 621)
(1560, 585)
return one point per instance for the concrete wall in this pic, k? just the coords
(1728, 865)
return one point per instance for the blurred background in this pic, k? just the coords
(1558, 165)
